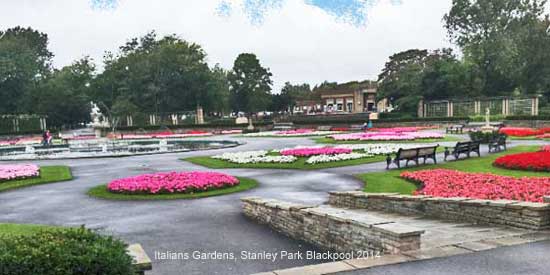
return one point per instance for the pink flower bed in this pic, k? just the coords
(21, 141)
(386, 136)
(18, 171)
(163, 135)
(451, 183)
(172, 182)
(396, 129)
(545, 148)
(307, 152)
(294, 132)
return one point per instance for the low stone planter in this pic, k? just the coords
(333, 229)
(524, 215)
(142, 262)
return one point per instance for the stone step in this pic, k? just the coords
(334, 228)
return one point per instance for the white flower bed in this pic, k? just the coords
(297, 134)
(254, 157)
(378, 149)
(339, 157)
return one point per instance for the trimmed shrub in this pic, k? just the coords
(72, 251)
(482, 137)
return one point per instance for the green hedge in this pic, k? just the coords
(526, 117)
(214, 124)
(72, 251)
(360, 119)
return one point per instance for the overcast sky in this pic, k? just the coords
(299, 40)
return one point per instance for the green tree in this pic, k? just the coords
(24, 61)
(64, 96)
(159, 76)
(290, 94)
(486, 30)
(250, 84)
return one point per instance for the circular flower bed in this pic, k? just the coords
(18, 171)
(172, 182)
(451, 183)
(533, 161)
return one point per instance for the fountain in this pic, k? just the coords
(487, 128)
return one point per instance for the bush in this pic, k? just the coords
(72, 251)
(527, 117)
(482, 137)
(362, 118)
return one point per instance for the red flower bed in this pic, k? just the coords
(520, 132)
(534, 161)
(451, 183)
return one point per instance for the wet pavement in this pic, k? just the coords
(187, 226)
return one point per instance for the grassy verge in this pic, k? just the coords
(14, 229)
(528, 138)
(102, 193)
(300, 164)
(389, 181)
(48, 174)
(325, 140)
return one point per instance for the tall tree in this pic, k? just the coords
(157, 76)
(64, 96)
(486, 31)
(24, 61)
(402, 77)
(250, 84)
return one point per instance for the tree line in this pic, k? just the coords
(505, 51)
(149, 74)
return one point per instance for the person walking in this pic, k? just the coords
(48, 138)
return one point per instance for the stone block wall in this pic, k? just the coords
(525, 215)
(332, 230)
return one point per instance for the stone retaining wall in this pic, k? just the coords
(332, 230)
(526, 215)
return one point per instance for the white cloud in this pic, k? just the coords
(299, 42)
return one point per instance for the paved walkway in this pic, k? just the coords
(207, 225)
(529, 259)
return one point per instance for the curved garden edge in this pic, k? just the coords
(325, 140)
(391, 181)
(101, 192)
(48, 174)
(300, 164)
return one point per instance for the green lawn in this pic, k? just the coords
(48, 174)
(326, 140)
(14, 229)
(390, 182)
(300, 164)
(102, 193)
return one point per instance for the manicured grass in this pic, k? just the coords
(14, 229)
(48, 174)
(390, 182)
(300, 164)
(326, 140)
(102, 193)
(528, 138)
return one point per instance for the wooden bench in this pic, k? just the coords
(413, 154)
(497, 144)
(455, 129)
(460, 148)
